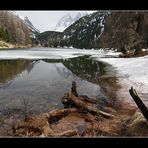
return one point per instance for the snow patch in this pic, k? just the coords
(133, 67)
(131, 72)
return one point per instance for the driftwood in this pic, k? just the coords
(83, 105)
(139, 103)
(57, 114)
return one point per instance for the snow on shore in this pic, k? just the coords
(136, 69)
(131, 72)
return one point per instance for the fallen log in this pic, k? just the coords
(139, 103)
(82, 105)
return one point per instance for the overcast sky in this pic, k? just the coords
(45, 20)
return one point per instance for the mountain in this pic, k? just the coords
(83, 33)
(13, 30)
(68, 19)
(86, 31)
(30, 26)
(121, 30)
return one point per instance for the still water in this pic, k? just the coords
(43, 82)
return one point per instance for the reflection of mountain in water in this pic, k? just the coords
(63, 71)
(9, 69)
(31, 65)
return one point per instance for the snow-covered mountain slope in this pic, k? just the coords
(86, 31)
(69, 19)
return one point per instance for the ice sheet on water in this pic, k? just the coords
(49, 53)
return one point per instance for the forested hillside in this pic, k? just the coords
(49, 38)
(13, 30)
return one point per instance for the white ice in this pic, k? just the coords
(49, 53)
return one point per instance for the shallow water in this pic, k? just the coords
(42, 82)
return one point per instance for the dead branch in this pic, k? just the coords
(139, 103)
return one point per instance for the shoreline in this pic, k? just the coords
(78, 124)
(127, 118)
(131, 72)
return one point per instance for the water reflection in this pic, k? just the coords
(10, 69)
(83, 67)
(44, 82)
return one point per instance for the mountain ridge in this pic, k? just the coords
(68, 19)
(122, 31)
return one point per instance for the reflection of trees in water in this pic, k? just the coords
(81, 66)
(85, 68)
(6, 84)
(9, 69)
